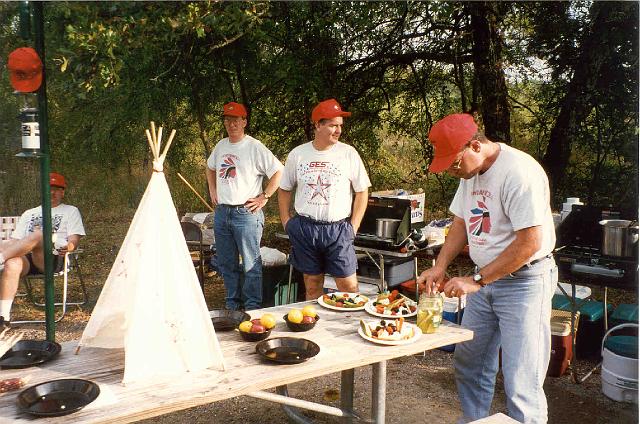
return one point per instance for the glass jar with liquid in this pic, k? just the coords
(430, 312)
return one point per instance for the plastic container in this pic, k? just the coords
(619, 368)
(396, 270)
(624, 314)
(451, 313)
(560, 301)
(592, 329)
(561, 346)
(275, 285)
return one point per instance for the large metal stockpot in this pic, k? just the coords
(387, 227)
(619, 237)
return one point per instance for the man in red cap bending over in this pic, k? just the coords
(501, 209)
(332, 187)
(24, 253)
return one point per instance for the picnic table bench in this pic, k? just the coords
(341, 350)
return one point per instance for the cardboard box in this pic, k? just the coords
(417, 202)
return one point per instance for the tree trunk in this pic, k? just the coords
(487, 61)
(578, 102)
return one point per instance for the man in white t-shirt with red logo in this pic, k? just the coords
(331, 186)
(502, 211)
(235, 171)
(24, 253)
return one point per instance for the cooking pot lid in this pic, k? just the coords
(615, 223)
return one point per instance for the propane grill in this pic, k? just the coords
(579, 254)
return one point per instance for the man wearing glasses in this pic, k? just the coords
(501, 210)
(235, 172)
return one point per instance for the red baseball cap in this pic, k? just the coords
(328, 109)
(57, 180)
(25, 69)
(448, 136)
(234, 109)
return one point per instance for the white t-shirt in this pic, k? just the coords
(511, 195)
(240, 168)
(65, 221)
(324, 180)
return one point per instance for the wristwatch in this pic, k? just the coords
(477, 278)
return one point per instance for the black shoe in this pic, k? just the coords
(4, 325)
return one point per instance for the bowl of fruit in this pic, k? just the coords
(257, 329)
(302, 319)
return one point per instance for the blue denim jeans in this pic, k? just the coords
(513, 313)
(238, 233)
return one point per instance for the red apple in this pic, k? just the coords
(308, 320)
(257, 328)
(256, 321)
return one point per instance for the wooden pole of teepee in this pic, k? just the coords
(166, 147)
(195, 192)
(151, 144)
(159, 140)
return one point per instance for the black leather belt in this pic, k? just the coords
(535, 261)
(524, 267)
(317, 221)
(232, 206)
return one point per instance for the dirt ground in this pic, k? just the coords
(420, 388)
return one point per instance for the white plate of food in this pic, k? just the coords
(391, 305)
(390, 332)
(343, 301)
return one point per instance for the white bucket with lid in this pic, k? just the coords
(619, 373)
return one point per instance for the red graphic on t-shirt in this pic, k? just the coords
(227, 169)
(480, 221)
(319, 189)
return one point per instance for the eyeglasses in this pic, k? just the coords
(455, 166)
(232, 119)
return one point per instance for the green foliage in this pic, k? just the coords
(398, 66)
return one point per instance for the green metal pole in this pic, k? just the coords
(44, 175)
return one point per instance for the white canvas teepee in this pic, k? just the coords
(151, 304)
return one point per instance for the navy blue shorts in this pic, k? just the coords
(322, 247)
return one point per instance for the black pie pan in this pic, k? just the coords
(27, 353)
(57, 397)
(248, 336)
(226, 320)
(301, 326)
(287, 350)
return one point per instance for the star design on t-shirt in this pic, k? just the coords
(319, 188)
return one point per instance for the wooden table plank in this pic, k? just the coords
(336, 334)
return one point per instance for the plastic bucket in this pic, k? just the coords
(619, 373)
(451, 313)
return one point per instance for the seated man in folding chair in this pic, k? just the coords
(24, 254)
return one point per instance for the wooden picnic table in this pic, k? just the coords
(341, 350)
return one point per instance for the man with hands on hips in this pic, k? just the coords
(235, 172)
(501, 210)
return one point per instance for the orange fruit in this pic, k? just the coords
(309, 311)
(245, 326)
(268, 321)
(295, 316)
